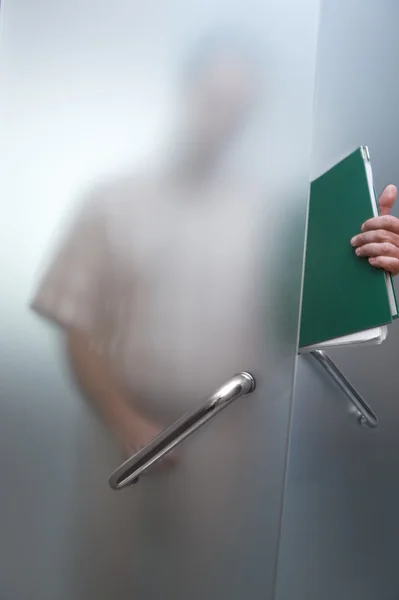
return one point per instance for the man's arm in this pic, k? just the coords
(71, 294)
(95, 377)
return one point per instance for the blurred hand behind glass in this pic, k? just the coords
(134, 432)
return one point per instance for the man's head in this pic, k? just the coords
(220, 86)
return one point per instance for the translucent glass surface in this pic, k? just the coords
(339, 536)
(154, 182)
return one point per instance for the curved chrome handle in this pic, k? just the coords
(129, 472)
(363, 412)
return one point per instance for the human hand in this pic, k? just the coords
(134, 431)
(379, 240)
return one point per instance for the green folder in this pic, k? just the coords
(345, 300)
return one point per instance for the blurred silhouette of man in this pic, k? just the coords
(133, 283)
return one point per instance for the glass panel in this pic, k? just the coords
(339, 536)
(155, 163)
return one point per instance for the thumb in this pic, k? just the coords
(388, 199)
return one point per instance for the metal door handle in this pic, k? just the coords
(129, 472)
(362, 411)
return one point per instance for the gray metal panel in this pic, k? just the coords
(340, 533)
(85, 91)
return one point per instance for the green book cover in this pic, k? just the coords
(342, 293)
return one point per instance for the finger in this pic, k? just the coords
(375, 235)
(384, 249)
(170, 457)
(165, 462)
(388, 199)
(173, 457)
(387, 263)
(388, 222)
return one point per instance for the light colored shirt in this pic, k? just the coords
(158, 274)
